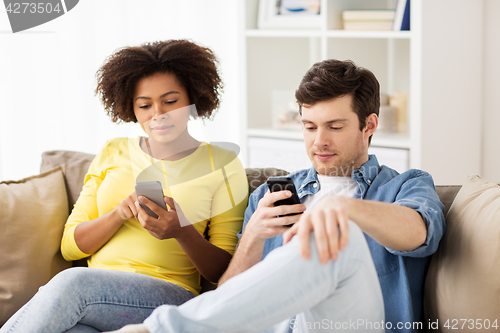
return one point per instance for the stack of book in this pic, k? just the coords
(368, 19)
(398, 19)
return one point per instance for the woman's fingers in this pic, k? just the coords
(170, 202)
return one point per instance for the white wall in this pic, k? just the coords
(491, 100)
(47, 74)
(452, 79)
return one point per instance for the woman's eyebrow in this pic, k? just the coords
(165, 94)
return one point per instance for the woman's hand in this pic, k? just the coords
(127, 208)
(91, 235)
(167, 225)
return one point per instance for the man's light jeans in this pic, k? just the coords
(342, 296)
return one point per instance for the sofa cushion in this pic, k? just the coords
(447, 194)
(463, 278)
(74, 165)
(32, 219)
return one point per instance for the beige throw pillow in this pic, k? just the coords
(463, 281)
(75, 166)
(32, 217)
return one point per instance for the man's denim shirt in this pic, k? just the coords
(401, 274)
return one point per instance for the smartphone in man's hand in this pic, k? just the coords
(276, 184)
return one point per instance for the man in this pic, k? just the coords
(345, 191)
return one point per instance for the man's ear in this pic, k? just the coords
(371, 125)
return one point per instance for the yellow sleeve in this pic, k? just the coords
(85, 208)
(226, 223)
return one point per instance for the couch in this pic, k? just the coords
(463, 280)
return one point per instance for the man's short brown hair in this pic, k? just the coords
(332, 78)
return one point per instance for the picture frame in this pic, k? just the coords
(289, 14)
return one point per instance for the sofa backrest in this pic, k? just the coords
(76, 164)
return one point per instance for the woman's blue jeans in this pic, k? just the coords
(93, 300)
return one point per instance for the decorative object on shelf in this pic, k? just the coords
(368, 19)
(285, 110)
(402, 16)
(400, 101)
(289, 14)
(387, 116)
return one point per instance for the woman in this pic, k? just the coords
(138, 262)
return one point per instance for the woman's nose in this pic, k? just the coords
(159, 112)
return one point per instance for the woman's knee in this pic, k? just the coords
(67, 280)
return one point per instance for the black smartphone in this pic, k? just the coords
(276, 184)
(153, 191)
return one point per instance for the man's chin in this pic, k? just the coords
(332, 170)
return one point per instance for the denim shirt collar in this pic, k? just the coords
(364, 176)
(310, 184)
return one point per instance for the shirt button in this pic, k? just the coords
(369, 181)
(315, 185)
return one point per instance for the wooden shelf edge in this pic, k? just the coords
(303, 33)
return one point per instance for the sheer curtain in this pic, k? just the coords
(47, 74)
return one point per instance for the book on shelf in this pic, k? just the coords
(368, 19)
(402, 16)
(368, 15)
(368, 25)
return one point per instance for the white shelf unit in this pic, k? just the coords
(436, 63)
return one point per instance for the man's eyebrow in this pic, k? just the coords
(306, 121)
(165, 94)
(337, 121)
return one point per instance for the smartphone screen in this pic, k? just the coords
(276, 184)
(153, 191)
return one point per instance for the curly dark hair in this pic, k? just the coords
(194, 66)
(332, 78)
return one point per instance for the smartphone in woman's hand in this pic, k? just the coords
(153, 191)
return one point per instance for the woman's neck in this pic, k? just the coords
(174, 150)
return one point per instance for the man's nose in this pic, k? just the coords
(322, 138)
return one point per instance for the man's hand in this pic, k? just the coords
(265, 222)
(328, 220)
(167, 224)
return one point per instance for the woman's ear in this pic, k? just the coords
(371, 125)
